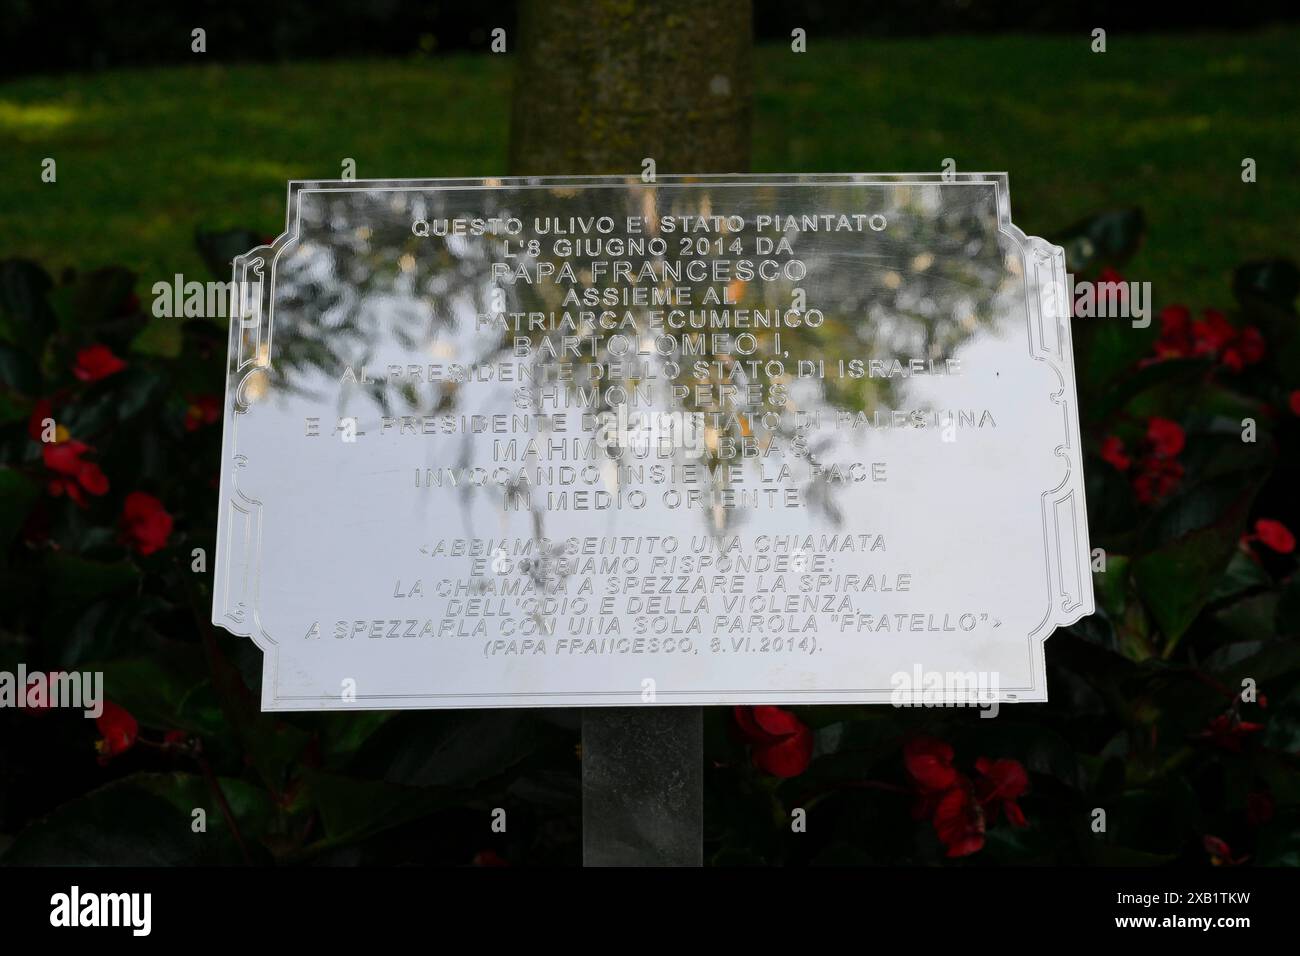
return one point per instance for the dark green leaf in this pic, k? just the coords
(219, 249)
(354, 809)
(1177, 579)
(143, 820)
(453, 749)
(1275, 282)
(1107, 239)
(77, 579)
(17, 492)
(26, 318)
(1243, 574)
(94, 298)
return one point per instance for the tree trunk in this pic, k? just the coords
(603, 84)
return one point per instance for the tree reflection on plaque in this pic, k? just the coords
(748, 439)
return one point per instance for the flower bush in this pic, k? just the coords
(1173, 733)
(1171, 736)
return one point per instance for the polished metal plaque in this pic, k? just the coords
(601, 441)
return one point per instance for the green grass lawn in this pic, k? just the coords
(146, 156)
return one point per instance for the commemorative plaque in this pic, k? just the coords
(601, 441)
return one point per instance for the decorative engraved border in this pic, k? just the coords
(236, 592)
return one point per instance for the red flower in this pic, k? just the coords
(72, 474)
(1004, 782)
(117, 730)
(929, 763)
(36, 424)
(1112, 452)
(1175, 339)
(95, 362)
(64, 457)
(958, 809)
(1212, 336)
(203, 410)
(93, 479)
(1249, 347)
(1175, 323)
(1229, 732)
(1212, 333)
(959, 821)
(1166, 437)
(1157, 473)
(57, 487)
(781, 743)
(1294, 402)
(1156, 479)
(147, 523)
(1220, 852)
(1273, 535)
